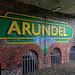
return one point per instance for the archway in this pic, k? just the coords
(72, 53)
(55, 56)
(50, 49)
(29, 47)
(29, 62)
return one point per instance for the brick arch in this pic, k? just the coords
(71, 47)
(26, 48)
(71, 44)
(50, 49)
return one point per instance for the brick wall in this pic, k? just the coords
(11, 54)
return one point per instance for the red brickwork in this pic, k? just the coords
(11, 54)
(48, 56)
(69, 47)
(27, 47)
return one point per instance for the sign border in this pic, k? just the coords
(34, 21)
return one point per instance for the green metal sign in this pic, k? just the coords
(19, 28)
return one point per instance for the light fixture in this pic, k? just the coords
(56, 9)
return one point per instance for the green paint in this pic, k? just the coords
(5, 23)
(34, 19)
(45, 49)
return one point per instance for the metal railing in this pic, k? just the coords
(55, 59)
(29, 62)
(72, 55)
